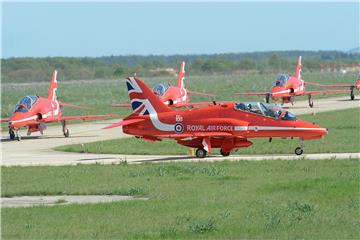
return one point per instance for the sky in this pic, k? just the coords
(121, 28)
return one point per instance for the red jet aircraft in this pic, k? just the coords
(287, 87)
(227, 126)
(34, 111)
(174, 96)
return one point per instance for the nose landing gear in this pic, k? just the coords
(311, 102)
(11, 134)
(14, 134)
(300, 150)
(200, 153)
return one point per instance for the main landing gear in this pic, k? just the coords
(201, 153)
(352, 95)
(267, 98)
(225, 154)
(311, 102)
(300, 150)
(65, 129)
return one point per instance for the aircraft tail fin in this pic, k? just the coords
(143, 101)
(52, 95)
(298, 69)
(181, 77)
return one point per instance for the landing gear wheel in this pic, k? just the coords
(11, 134)
(311, 102)
(225, 154)
(299, 151)
(18, 137)
(200, 153)
(352, 96)
(67, 133)
(292, 99)
(267, 98)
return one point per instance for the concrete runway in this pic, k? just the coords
(37, 149)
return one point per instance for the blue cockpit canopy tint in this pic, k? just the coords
(25, 104)
(160, 89)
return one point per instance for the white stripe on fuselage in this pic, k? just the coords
(24, 119)
(269, 128)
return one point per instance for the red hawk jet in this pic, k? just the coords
(287, 87)
(174, 96)
(34, 112)
(227, 126)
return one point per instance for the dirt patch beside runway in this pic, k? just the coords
(30, 201)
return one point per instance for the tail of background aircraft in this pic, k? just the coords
(298, 69)
(181, 76)
(52, 95)
(143, 100)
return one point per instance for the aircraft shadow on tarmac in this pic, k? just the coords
(23, 138)
(95, 159)
(175, 158)
(348, 100)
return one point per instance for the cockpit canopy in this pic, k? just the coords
(281, 80)
(160, 89)
(25, 104)
(265, 109)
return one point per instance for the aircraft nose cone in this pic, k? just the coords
(319, 131)
(19, 119)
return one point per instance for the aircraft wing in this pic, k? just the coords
(200, 93)
(85, 117)
(331, 86)
(254, 94)
(127, 105)
(4, 119)
(124, 123)
(324, 92)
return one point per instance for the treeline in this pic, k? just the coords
(114, 67)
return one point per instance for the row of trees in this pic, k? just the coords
(114, 67)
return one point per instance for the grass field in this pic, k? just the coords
(232, 200)
(344, 136)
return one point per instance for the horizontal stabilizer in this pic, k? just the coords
(86, 117)
(72, 105)
(253, 94)
(126, 105)
(124, 123)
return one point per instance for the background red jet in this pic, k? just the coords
(34, 111)
(227, 126)
(175, 96)
(287, 87)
